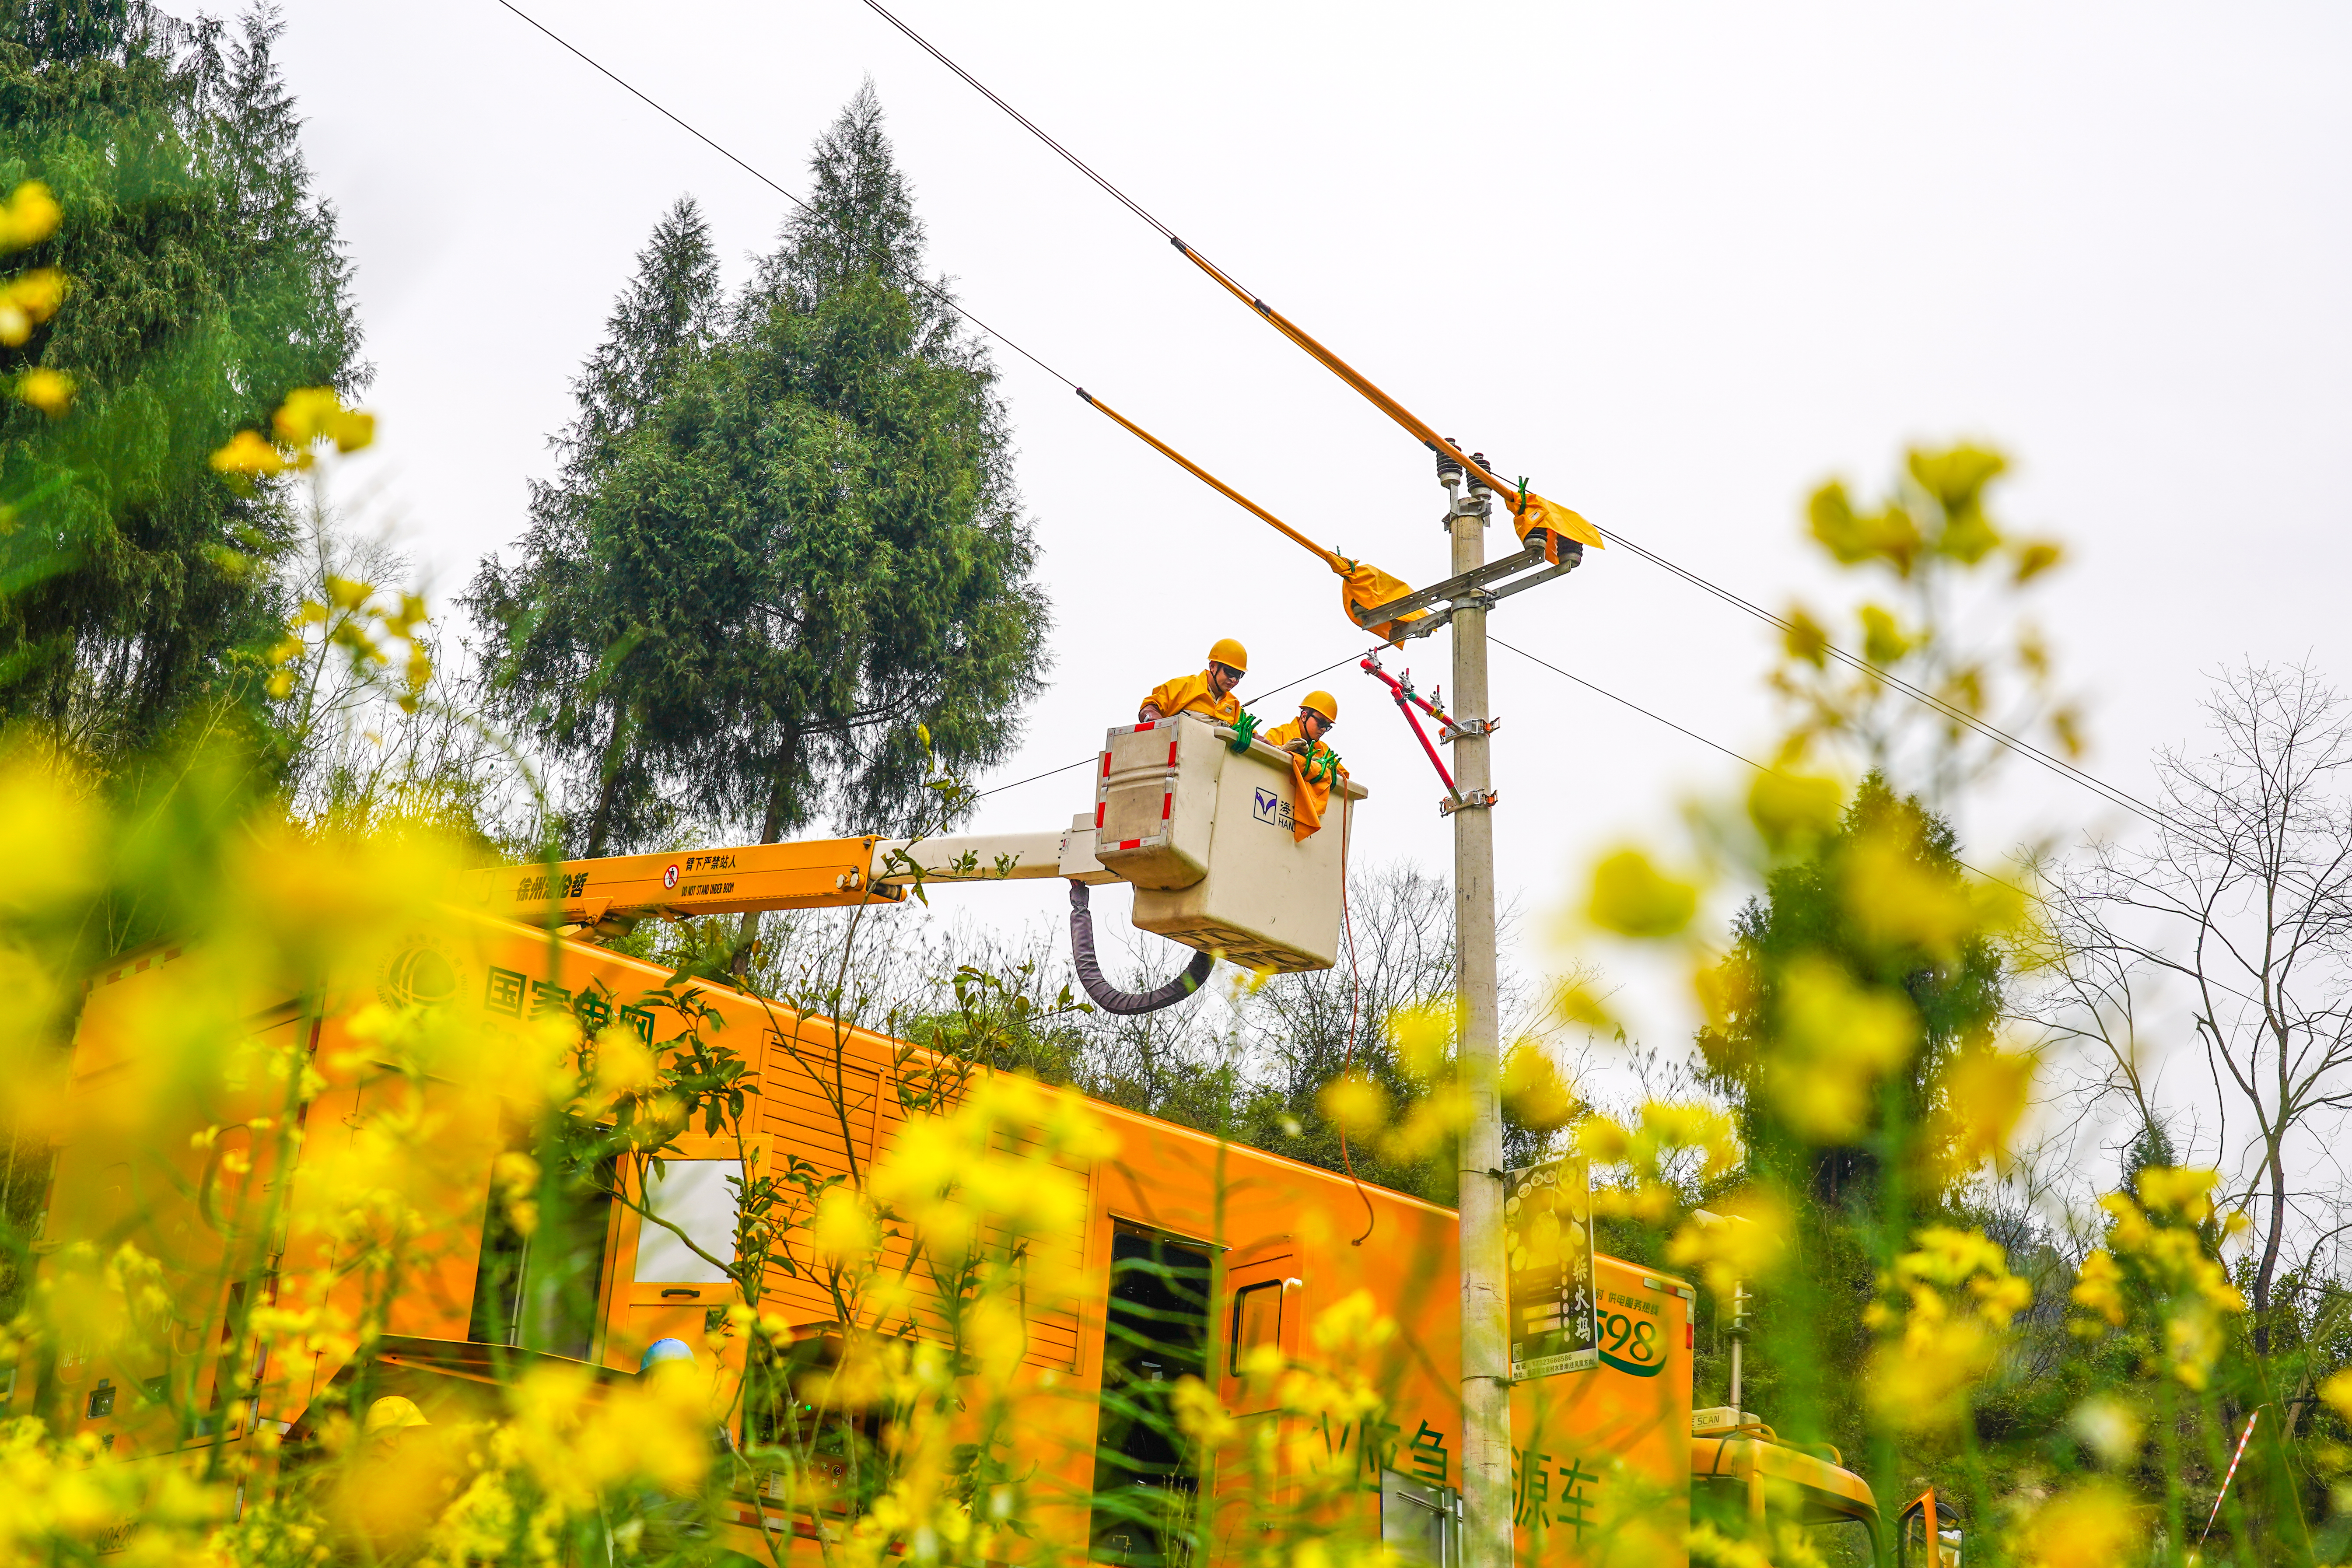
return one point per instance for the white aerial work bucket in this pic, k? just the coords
(1203, 834)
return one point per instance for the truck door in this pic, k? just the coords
(1155, 1331)
(662, 1286)
(1265, 1309)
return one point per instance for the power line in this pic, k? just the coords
(1089, 760)
(1644, 713)
(2064, 768)
(936, 292)
(1027, 124)
(2026, 749)
(2058, 765)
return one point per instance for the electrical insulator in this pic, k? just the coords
(1448, 469)
(1478, 486)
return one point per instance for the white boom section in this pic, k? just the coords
(991, 858)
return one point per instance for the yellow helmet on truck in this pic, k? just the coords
(1322, 702)
(1229, 652)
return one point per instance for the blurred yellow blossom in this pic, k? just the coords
(2098, 1285)
(28, 217)
(1960, 1299)
(1838, 1041)
(50, 391)
(1900, 898)
(26, 300)
(2184, 1194)
(1423, 1036)
(1355, 1104)
(1743, 1236)
(314, 413)
(1632, 898)
(2336, 1392)
(1985, 1093)
(2091, 1526)
(1534, 1090)
(1793, 811)
(247, 453)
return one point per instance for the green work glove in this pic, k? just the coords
(1244, 731)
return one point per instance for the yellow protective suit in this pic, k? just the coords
(1312, 774)
(1190, 694)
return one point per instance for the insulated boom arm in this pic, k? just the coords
(815, 874)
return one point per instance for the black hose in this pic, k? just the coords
(1107, 998)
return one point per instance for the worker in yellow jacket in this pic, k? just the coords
(1319, 711)
(1314, 766)
(1210, 693)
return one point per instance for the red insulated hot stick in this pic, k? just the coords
(1401, 693)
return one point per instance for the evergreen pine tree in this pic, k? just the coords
(808, 546)
(564, 632)
(1806, 915)
(207, 282)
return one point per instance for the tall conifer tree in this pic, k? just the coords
(810, 544)
(207, 282)
(565, 633)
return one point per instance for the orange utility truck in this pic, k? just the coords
(1192, 1257)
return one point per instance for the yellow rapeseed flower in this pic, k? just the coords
(1792, 810)
(1424, 1036)
(1900, 899)
(2093, 1526)
(314, 414)
(50, 391)
(1984, 1094)
(1836, 1042)
(26, 300)
(1534, 1091)
(28, 217)
(247, 453)
(2186, 1194)
(1743, 1236)
(2336, 1391)
(2098, 1286)
(1632, 898)
(1355, 1104)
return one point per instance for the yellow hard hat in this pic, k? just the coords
(393, 1413)
(1226, 650)
(1323, 702)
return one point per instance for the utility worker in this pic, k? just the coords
(1314, 766)
(1319, 711)
(1210, 693)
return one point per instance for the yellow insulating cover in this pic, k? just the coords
(1363, 586)
(1312, 770)
(1539, 513)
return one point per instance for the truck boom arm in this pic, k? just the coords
(815, 874)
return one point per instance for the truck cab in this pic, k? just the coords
(1746, 1480)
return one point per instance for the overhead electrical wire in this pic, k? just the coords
(934, 291)
(2064, 768)
(2058, 765)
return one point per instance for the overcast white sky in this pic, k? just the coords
(1677, 262)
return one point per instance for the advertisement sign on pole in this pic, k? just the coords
(1547, 1233)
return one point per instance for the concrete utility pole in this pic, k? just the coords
(1485, 1339)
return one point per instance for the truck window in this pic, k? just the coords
(1257, 1320)
(696, 1196)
